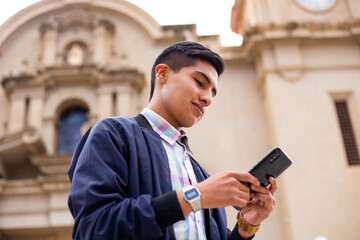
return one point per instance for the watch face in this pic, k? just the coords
(316, 5)
(191, 194)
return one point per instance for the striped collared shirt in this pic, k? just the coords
(181, 172)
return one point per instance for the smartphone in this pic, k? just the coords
(273, 164)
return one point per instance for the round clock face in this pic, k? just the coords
(316, 5)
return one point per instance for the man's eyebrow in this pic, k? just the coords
(208, 80)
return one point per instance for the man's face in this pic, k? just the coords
(187, 94)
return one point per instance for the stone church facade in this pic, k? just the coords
(294, 83)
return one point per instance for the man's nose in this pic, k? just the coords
(206, 98)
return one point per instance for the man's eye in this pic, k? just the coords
(198, 82)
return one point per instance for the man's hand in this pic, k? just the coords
(222, 190)
(226, 189)
(261, 205)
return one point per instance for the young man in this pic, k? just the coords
(135, 178)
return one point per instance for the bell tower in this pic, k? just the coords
(307, 60)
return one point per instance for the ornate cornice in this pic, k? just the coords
(9, 83)
(92, 75)
(179, 32)
(34, 186)
(304, 29)
(52, 165)
(28, 138)
(89, 74)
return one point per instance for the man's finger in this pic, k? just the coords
(273, 185)
(246, 177)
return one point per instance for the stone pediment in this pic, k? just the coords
(76, 11)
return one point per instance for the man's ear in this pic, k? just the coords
(162, 73)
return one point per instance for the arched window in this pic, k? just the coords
(70, 129)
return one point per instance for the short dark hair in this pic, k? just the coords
(184, 54)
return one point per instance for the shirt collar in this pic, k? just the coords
(162, 127)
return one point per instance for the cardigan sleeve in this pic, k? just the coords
(98, 197)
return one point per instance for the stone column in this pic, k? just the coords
(48, 135)
(49, 49)
(105, 103)
(35, 111)
(4, 108)
(125, 104)
(103, 35)
(100, 45)
(17, 113)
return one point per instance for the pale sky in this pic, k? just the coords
(210, 16)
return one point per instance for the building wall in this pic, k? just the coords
(305, 61)
(320, 177)
(304, 122)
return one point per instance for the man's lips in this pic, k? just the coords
(199, 108)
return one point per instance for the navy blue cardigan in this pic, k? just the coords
(121, 188)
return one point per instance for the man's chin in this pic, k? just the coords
(188, 124)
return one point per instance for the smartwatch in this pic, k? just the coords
(192, 196)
